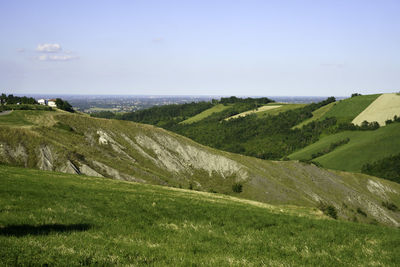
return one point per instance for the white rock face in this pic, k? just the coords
(18, 153)
(85, 169)
(105, 139)
(45, 158)
(138, 149)
(179, 157)
(376, 187)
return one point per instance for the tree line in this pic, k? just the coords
(388, 168)
(12, 100)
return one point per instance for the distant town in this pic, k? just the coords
(129, 103)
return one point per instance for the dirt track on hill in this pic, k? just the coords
(260, 109)
(5, 112)
(383, 108)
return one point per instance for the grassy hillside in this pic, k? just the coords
(364, 147)
(346, 110)
(51, 218)
(270, 109)
(254, 111)
(316, 115)
(215, 109)
(283, 107)
(122, 150)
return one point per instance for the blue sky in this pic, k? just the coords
(200, 47)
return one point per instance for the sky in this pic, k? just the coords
(218, 47)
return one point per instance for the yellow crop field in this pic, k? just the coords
(383, 108)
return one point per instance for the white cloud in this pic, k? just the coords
(49, 48)
(54, 52)
(56, 57)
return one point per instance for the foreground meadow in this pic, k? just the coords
(49, 218)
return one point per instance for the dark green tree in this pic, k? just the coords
(64, 105)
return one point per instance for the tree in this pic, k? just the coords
(64, 105)
(237, 187)
(355, 94)
(3, 99)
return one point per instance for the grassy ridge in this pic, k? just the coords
(364, 147)
(346, 110)
(59, 219)
(206, 113)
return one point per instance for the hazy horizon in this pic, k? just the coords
(200, 48)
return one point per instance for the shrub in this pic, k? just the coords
(237, 187)
(328, 210)
(63, 126)
(360, 211)
(390, 206)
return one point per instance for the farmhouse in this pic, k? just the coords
(42, 102)
(48, 102)
(52, 103)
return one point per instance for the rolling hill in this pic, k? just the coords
(363, 147)
(265, 108)
(74, 143)
(347, 109)
(316, 115)
(50, 218)
(206, 113)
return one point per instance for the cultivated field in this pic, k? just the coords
(206, 113)
(284, 107)
(346, 110)
(59, 219)
(260, 109)
(383, 108)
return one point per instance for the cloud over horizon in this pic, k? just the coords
(49, 48)
(53, 52)
(56, 57)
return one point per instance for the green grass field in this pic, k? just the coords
(16, 118)
(346, 110)
(206, 113)
(49, 218)
(364, 147)
(317, 114)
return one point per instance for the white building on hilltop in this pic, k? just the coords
(52, 103)
(48, 102)
(42, 102)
